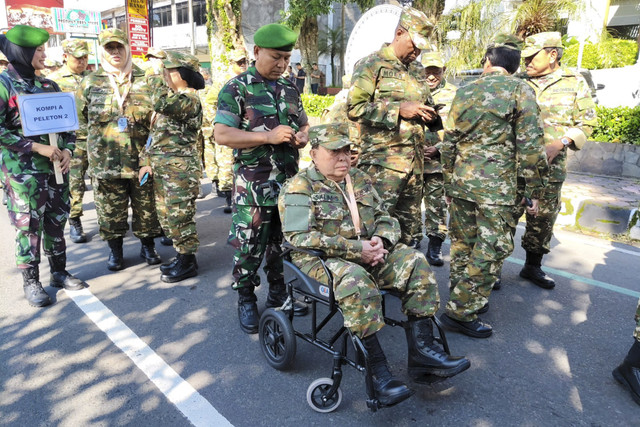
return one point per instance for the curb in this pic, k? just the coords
(594, 216)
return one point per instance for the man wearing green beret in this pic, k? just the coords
(390, 99)
(260, 116)
(569, 115)
(76, 59)
(364, 255)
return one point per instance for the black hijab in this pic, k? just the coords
(20, 57)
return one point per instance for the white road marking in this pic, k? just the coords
(186, 398)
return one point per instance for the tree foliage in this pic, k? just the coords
(537, 16)
(224, 25)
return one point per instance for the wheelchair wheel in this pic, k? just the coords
(317, 390)
(277, 340)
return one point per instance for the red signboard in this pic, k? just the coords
(36, 13)
(138, 24)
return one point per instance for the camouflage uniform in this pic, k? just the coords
(69, 82)
(221, 155)
(113, 155)
(391, 147)
(173, 157)
(435, 215)
(247, 102)
(38, 207)
(493, 126)
(315, 215)
(208, 144)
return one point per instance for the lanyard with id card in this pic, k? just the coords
(123, 123)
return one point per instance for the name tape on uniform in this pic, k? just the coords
(44, 113)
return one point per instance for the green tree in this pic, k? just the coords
(431, 8)
(224, 33)
(537, 16)
(331, 43)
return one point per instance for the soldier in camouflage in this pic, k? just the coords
(115, 103)
(335, 208)
(435, 215)
(337, 113)
(628, 372)
(38, 206)
(390, 99)
(76, 59)
(493, 128)
(155, 57)
(171, 156)
(569, 115)
(260, 116)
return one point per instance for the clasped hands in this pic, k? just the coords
(53, 153)
(373, 251)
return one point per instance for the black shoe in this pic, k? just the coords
(476, 328)
(166, 241)
(498, 285)
(227, 196)
(115, 261)
(76, 233)
(434, 251)
(184, 268)
(389, 390)
(628, 373)
(415, 244)
(33, 291)
(532, 271)
(60, 277)
(148, 251)
(277, 300)
(248, 315)
(164, 268)
(484, 309)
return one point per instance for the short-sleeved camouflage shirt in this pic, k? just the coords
(253, 104)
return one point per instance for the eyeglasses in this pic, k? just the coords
(242, 62)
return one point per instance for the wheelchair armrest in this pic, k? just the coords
(288, 247)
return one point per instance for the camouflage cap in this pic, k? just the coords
(535, 43)
(75, 47)
(331, 136)
(238, 55)
(506, 40)
(156, 53)
(432, 59)
(113, 35)
(275, 36)
(418, 26)
(50, 63)
(3, 58)
(179, 59)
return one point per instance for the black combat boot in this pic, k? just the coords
(148, 251)
(76, 233)
(248, 310)
(60, 277)
(532, 271)
(184, 267)
(628, 373)
(116, 261)
(425, 357)
(389, 390)
(434, 251)
(32, 287)
(278, 296)
(227, 197)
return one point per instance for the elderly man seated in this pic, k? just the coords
(335, 208)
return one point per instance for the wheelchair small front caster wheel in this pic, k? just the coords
(277, 340)
(317, 396)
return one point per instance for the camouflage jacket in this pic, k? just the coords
(175, 126)
(567, 109)
(69, 82)
(248, 102)
(315, 215)
(337, 113)
(380, 83)
(114, 154)
(17, 157)
(208, 111)
(494, 124)
(443, 94)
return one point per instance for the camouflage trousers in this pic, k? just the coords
(256, 233)
(435, 206)
(636, 333)
(355, 287)
(480, 242)
(210, 164)
(402, 196)
(176, 182)
(224, 159)
(38, 209)
(77, 187)
(539, 229)
(112, 198)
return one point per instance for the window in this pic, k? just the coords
(182, 10)
(162, 16)
(199, 12)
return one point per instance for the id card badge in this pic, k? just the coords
(149, 141)
(122, 124)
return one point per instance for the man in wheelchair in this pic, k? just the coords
(334, 208)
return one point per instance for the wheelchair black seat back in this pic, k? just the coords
(278, 335)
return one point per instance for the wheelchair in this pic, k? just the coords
(277, 334)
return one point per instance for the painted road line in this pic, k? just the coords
(179, 392)
(586, 280)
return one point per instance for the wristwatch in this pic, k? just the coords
(565, 141)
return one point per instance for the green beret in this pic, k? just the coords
(275, 36)
(26, 36)
(178, 59)
(332, 136)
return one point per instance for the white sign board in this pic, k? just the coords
(49, 112)
(376, 27)
(75, 21)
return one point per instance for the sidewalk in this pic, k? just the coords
(601, 204)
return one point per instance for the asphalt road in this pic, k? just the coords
(133, 350)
